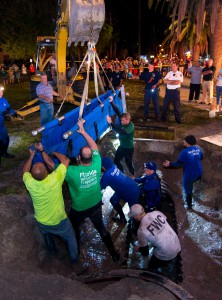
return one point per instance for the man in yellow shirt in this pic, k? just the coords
(46, 192)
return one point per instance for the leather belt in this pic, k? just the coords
(177, 89)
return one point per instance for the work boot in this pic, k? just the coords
(119, 210)
(79, 268)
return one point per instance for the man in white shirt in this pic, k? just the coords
(155, 230)
(173, 81)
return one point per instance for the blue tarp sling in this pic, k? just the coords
(95, 125)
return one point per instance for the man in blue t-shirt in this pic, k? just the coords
(152, 80)
(190, 159)
(125, 188)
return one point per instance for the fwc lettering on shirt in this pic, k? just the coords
(156, 225)
(194, 152)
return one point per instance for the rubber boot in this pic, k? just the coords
(189, 201)
(119, 210)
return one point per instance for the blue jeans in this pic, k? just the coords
(65, 230)
(46, 112)
(218, 93)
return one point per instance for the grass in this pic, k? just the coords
(21, 137)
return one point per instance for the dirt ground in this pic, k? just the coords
(26, 271)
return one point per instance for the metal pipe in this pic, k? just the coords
(67, 134)
(40, 129)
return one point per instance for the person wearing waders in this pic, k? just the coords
(190, 159)
(124, 187)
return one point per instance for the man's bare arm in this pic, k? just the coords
(91, 143)
(28, 163)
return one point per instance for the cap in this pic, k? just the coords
(135, 210)
(150, 165)
(190, 139)
(107, 163)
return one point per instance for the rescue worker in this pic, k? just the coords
(84, 185)
(155, 230)
(124, 187)
(126, 135)
(151, 188)
(46, 192)
(190, 159)
(5, 109)
(45, 94)
(152, 79)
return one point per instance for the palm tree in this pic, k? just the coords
(202, 9)
(186, 39)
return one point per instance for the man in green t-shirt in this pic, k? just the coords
(46, 192)
(84, 185)
(126, 134)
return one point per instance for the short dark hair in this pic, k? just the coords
(190, 139)
(85, 158)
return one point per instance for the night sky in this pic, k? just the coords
(153, 24)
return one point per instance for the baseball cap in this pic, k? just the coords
(135, 210)
(150, 165)
(107, 163)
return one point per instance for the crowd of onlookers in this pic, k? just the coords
(133, 67)
(130, 67)
(15, 74)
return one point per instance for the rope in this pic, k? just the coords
(86, 87)
(56, 115)
(114, 92)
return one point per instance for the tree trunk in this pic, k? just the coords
(196, 52)
(216, 42)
